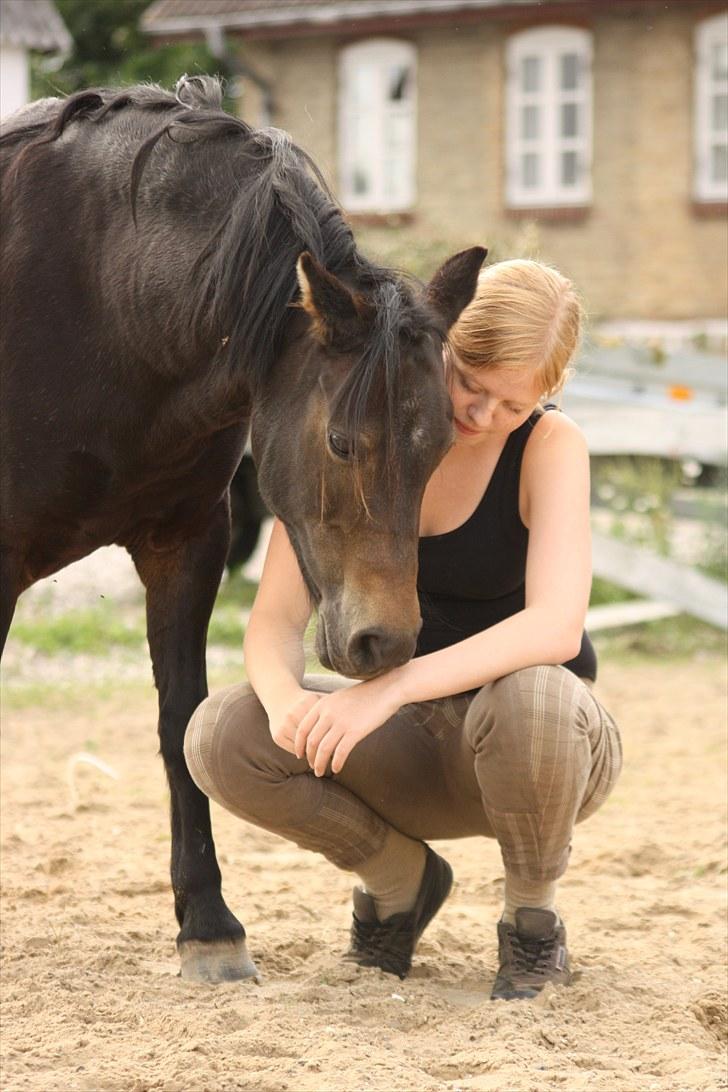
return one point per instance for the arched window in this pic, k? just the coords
(377, 126)
(549, 117)
(711, 109)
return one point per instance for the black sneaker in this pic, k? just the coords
(530, 953)
(390, 944)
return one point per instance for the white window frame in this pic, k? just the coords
(379, 55)
(548, 44)
(710, 34)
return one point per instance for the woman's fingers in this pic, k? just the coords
(306, 715)
(343, 749)
(324, 751)
(315, 736)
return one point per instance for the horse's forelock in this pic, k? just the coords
(376, 383)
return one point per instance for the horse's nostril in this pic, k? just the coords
(371, 650)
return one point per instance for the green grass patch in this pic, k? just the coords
(99, 629)
(678, 638)
(94, 630)
(226, 627)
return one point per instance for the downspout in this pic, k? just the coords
(218, 46)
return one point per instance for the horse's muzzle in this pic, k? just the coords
(375, 649)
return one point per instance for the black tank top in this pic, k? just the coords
(475, 576)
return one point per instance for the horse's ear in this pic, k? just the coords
(453, 286)
(336, 313)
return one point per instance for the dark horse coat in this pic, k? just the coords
(168, 275)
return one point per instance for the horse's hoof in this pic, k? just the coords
(218, 961)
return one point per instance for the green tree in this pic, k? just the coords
(110, 50)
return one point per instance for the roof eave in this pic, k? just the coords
(332, 17)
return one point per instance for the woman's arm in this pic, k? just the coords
(555, 507)
(273, 647)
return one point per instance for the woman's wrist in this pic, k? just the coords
(393, 687)
(285, 697)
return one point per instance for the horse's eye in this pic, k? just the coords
(340, 444)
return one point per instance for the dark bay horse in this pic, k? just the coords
(171, 275)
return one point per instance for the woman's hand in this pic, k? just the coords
(284, 723)
(333, 725)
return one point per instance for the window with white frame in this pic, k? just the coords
(549, 117)
(377, 126)
(711, 109)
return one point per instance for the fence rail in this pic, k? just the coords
(666, 582)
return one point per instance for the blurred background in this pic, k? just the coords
(593, 135)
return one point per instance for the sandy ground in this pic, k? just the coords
(89, 988)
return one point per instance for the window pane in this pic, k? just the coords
(530, 169)
(398, 83)
(360, 180)
(569, 71)
(720, 113)
(568, 168)
(719, 163)
(531, 74)
(363, 87)
(569, 119)
(530, 122)
(719, 61)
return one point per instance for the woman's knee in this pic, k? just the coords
(223, 734)
(541, 701)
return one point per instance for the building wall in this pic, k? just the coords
(640, 251)
(14, 79)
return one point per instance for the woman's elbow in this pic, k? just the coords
(570, 641)
(564, 640)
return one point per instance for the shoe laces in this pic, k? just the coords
(374, 940)
(534, 955)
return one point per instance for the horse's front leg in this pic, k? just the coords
(181, 586)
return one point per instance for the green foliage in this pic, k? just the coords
(638, 492)
(110, 50)
(645, 500)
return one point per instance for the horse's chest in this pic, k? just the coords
(161, 502)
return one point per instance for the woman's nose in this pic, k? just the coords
(482, 412)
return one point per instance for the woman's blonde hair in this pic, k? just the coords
(524, 315)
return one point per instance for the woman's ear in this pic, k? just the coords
(453, 286)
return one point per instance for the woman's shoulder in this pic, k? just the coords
(555, 464)
(555, 427)
(554, 441)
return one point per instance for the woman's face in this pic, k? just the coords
(489, 402)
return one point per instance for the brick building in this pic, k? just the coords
(594, 134)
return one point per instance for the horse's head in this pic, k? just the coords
(345, 437)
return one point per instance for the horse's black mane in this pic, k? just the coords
(244, 280)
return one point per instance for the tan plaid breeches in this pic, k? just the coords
(522, 760)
